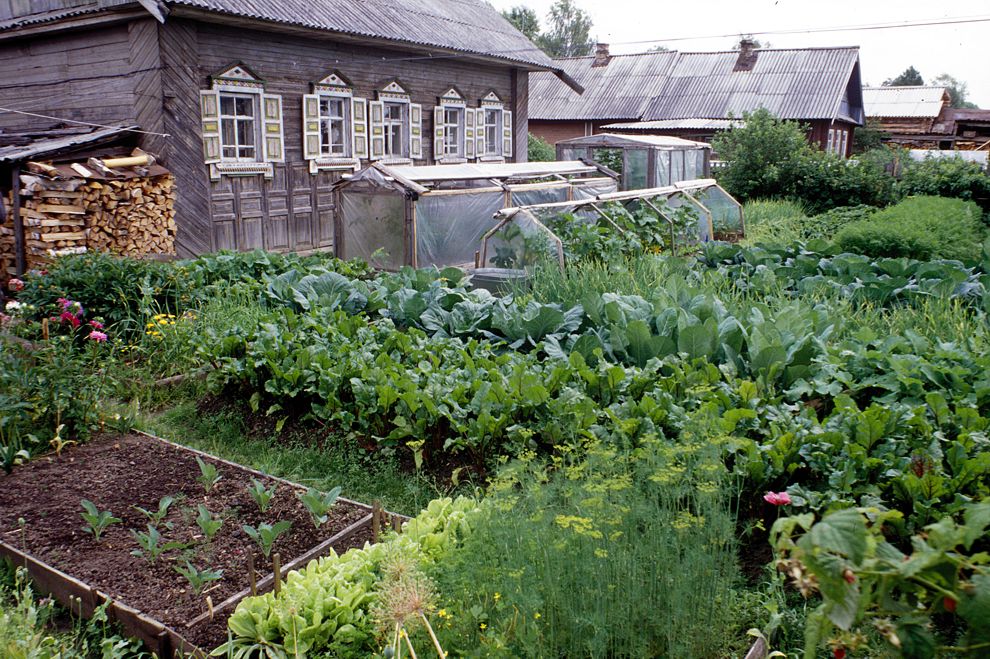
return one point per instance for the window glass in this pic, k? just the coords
(493, 121)
(333, 126)
(238, 130)
(453, 131)
(395, 120)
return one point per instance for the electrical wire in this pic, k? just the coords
(85, 123)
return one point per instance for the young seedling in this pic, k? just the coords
(208, 475)
(319, 503)
(156, 518)
(198, 578)
(96, 521)
(266, 534)
(208, 523)
(151, 544)
(261, 496)
(11, 456)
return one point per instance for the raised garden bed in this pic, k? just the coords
(41, 527)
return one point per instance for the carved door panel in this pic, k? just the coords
(301, 225)
(277, 222)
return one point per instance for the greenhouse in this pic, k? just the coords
(644, 161)
(393, 216)
(670, 219)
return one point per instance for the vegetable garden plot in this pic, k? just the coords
(200, 527)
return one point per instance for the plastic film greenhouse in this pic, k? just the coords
(643, 161)
(671, 219)
(437, 215)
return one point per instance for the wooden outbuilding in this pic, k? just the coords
(257, 107)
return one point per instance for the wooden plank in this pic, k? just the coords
(59, 194)
(65, 235)
(59, 208)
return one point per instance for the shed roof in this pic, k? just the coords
(49, 146)
(620, 90)
(913, 101)
(793, 83)
(655, 141)
(470, 26)
(484, 171)
(677, 124)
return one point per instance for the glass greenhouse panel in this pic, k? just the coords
(539, 196)
(592, 189)
(726, 211)
(373, 226)
(635, 169)
(521, 243)
(449, 228)
(661, 175)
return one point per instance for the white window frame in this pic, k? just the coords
(345, 119)
(403, 125)
(238, 166)
(453, 145)
(254, 98)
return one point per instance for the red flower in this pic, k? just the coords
(95, 324)
(71, 318)
(15, 284)
(777, 498)
(839, 653)
(949, 604)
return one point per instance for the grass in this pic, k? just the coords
(773, 222)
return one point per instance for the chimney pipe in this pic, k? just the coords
(747, 55)
(602, 57)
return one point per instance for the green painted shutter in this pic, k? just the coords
(274, 140)
(438, 133)
(209, 105)
(359, 128)
(507, 134)
(376, 121)
(415, 131)
(311, 126)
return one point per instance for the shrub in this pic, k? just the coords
(774, 221)
(824, 181)
(919, 227)
(539, 150)
(826, 225)
(947, 177)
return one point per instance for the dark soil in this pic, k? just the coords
(118, 473)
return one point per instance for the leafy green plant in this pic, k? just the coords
(319, 503)
(266, 534)
(11, 456)
(96, 520)
(150, 544)
(261, 496)
(198, 578)
(207, 522)
(947, 177)
(209, 475)
(157, 517)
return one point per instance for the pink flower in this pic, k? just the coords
(97, 336)
(15, 284)
(71, 318)
(62, 301)
(95, 324)
(777, 498)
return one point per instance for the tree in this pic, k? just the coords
(909, 78)
(958, 90)
(525, 20)
(569, 31)
(749, 37)
(539, 150)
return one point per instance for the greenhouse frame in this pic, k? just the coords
(648, 161)
(422, 216)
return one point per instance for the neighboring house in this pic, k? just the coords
(695, 95)
(920, 117)
(264, 104)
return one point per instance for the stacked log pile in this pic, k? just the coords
(70, 209)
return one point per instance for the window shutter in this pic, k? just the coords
(469, 145)
(438, 133)
(376, 111)
(272, 125)
(479, 132)
(359, 128)
(209, 104)
(311, 126)
(415, 131)
(507, 134)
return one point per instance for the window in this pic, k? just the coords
(493, 131)
(453, 132)
(334, 133)
(394, 122)
(830, 148)
(238, 128)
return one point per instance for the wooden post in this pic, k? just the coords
(277, 572)
(376, 520)
(251, 575)
(19, 246)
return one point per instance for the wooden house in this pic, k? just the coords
(695, 95)
(257, 107)
(922, 117)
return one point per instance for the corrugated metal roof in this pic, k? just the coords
(613, 139)
(484, 171)
(471, 26)
(33, 12)
(677, 124)
(914, 101)
(619, 90)
(808, 83)
(51, 145)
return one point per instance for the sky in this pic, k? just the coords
(959, 50)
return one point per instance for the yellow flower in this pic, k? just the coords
(482, 626)
(537, 616)
(601, 553)
(443, 613)
(498, 596)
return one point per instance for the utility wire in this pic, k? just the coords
(85, 123)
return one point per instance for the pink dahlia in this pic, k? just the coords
(777, 498)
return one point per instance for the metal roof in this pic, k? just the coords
(799, 83)
(655, 141)
(913, 101)
(43, 147)
(619, 90)
(677, 124)
(484, 171)
(470, 26)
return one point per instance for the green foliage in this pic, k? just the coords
(867, 138)
(207, 523)
(823, 181)
(150, 544)
(568, 32)
(157, 517)
(958, 90)
(261, 496)
(198, 579)
(266, 534)
(525, 20)
(209, 475)
(946, 177)
(908, 78)
(96, 520)
(539, 150)
(774, 221)
(920, 228)
(318, 503)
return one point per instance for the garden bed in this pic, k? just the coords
(41, 525)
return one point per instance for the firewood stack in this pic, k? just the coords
(124, 206)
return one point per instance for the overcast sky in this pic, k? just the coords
(960, 50)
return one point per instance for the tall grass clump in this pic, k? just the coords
(769, 221)
(603, 552)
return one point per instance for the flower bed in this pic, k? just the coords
(42, 524)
